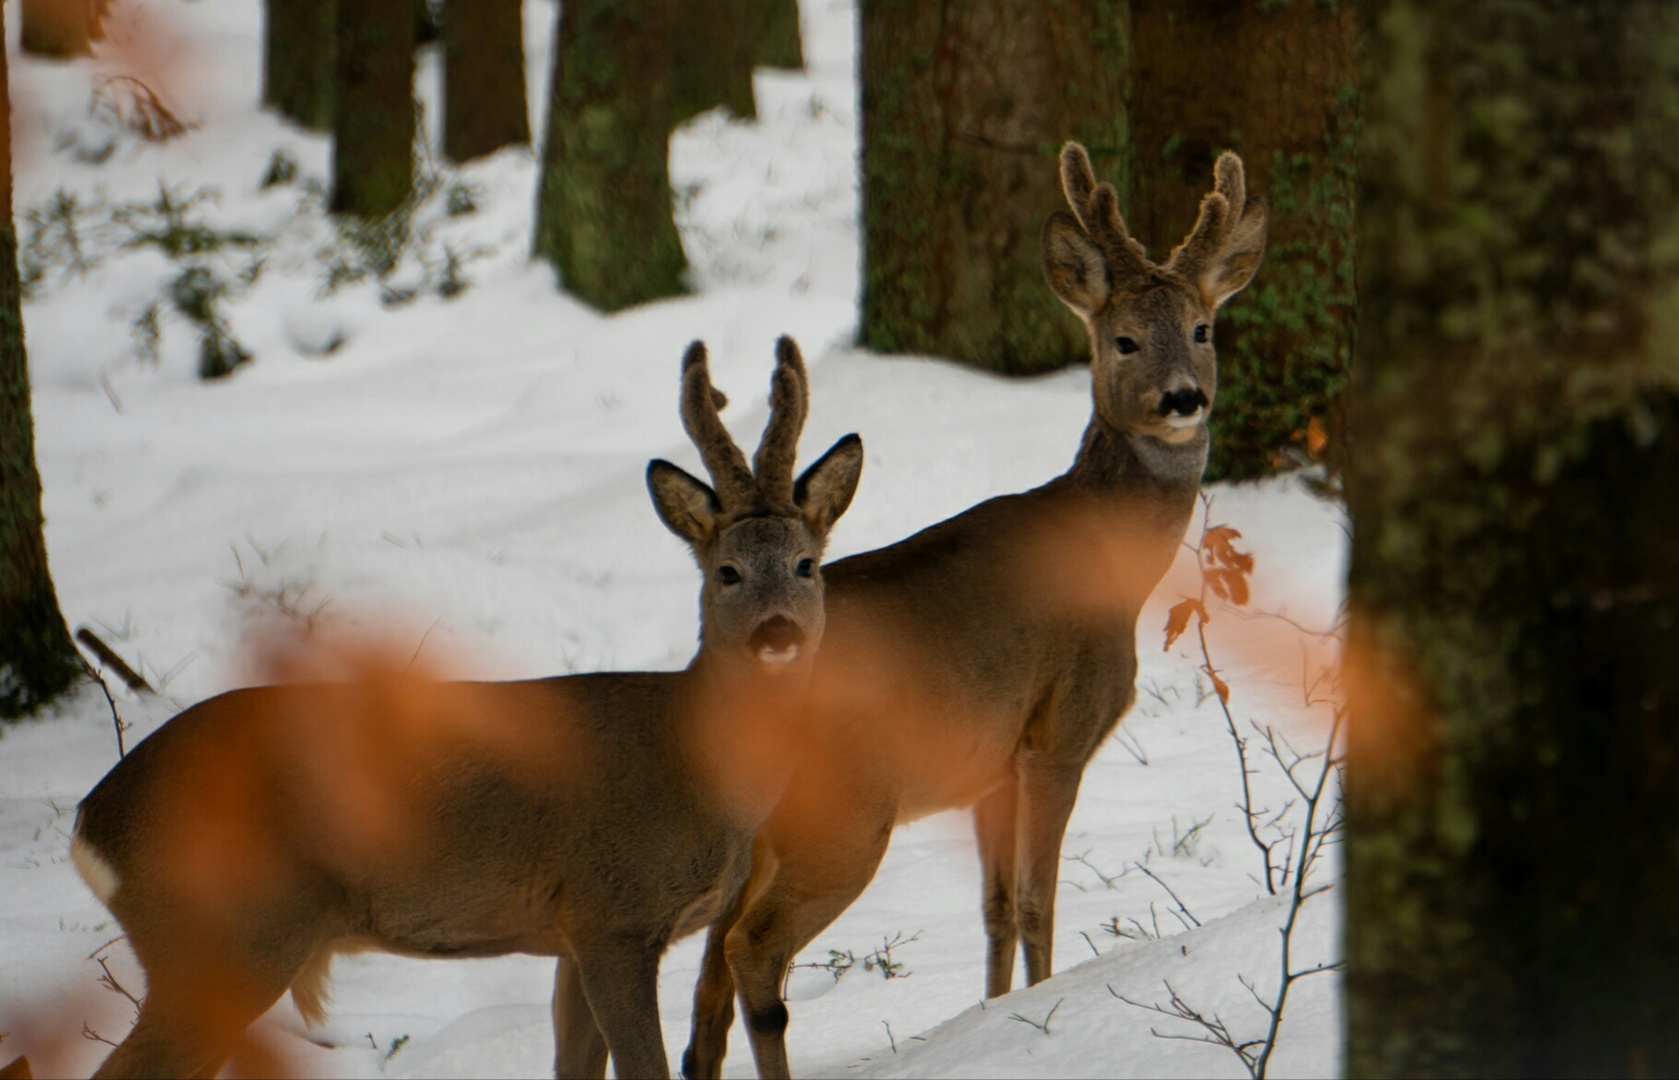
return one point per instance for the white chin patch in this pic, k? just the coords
(1182, 422)
(778, 657)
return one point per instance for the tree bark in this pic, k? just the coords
(1513, 832)
(62, 28)
(604, 210)
(776, 38)
(37, 660)
(483, 78)
(1277, 83)
(965, 108)
(711, 58)
(299, 58)
(373, 108)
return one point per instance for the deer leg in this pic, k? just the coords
(813, 884)
(1047, 793)
(994, 825)
(579, 1046)
(714, 994)
(620, 977)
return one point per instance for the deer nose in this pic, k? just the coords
(1182, 402)
(777, 640)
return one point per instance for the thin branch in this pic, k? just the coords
(1152, 876)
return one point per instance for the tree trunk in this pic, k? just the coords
(711, 58)
(483, 78)
(37, 661)
(1513, 826)
(604, 211)
(965, 107)
(776, 40)
(426, 28)
(61, 28)
(298, 60)
(1277, 83)
(373, 108)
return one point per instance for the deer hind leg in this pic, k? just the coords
(1047, 791)
(994, 827)
(579, 1046)
(813, 885)
(714, 993)
(619, 974)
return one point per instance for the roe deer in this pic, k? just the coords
(590, 817)
(982, 661)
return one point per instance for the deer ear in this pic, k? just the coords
(1077, 272)
(687, 506)
(824, 490)
(1229, 271)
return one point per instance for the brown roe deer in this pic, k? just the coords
(982, 661)
(591, 817)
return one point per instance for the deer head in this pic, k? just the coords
(1151, 324)
(757, 533)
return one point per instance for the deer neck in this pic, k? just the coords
(742, 732)
(1125, 465)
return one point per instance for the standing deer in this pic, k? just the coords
(590, 817)
(982, 661)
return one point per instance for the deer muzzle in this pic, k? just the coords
(777, 641)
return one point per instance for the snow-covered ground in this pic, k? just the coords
(469, 470)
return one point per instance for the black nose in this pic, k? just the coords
(776, 634)
(1182, 402)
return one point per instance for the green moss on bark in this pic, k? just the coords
(776, 41)
(604, 206)
(299, 58)
(1513, 844)
(373, 108)
(965, 107)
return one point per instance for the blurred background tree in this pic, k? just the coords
(62, 28)
(373, 107)
(965, 106)
(712, 54)
(37, 660)
(1513, 842)
(483, 78)
(299, 60)
(775, 34)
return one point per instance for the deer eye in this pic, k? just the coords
(806, 568)
(1126, 346)
(1201, 333)
(728, 575)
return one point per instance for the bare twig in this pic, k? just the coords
(1187, 914)
(93, 1036)
(108, 657)
(109, 982)
(1041, 1025)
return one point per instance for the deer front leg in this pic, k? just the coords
(620, 977)
(1047, 793)
(579, 1046)
(816, 881)
(714, 993)
(994, 825)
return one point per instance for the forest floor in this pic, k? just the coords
(455, 450)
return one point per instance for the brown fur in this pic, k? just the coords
(982, 661)
(590, 817)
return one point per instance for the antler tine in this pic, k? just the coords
(722, 458)
(1220, 210)
(789, 405)
(1097, 208)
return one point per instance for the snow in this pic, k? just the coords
(468, 472)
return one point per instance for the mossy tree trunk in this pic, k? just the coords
(604, 202)
(373, 108)
(776, 40)
(37, 661)
(299, 58)
(62, 28)
(483, 78)
(1278, 83)
(1513, 784)
(711, 58)
(965, 107)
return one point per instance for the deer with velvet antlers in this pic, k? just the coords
(982, 661)
(590, 817)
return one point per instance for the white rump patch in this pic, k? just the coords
(98, 873)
